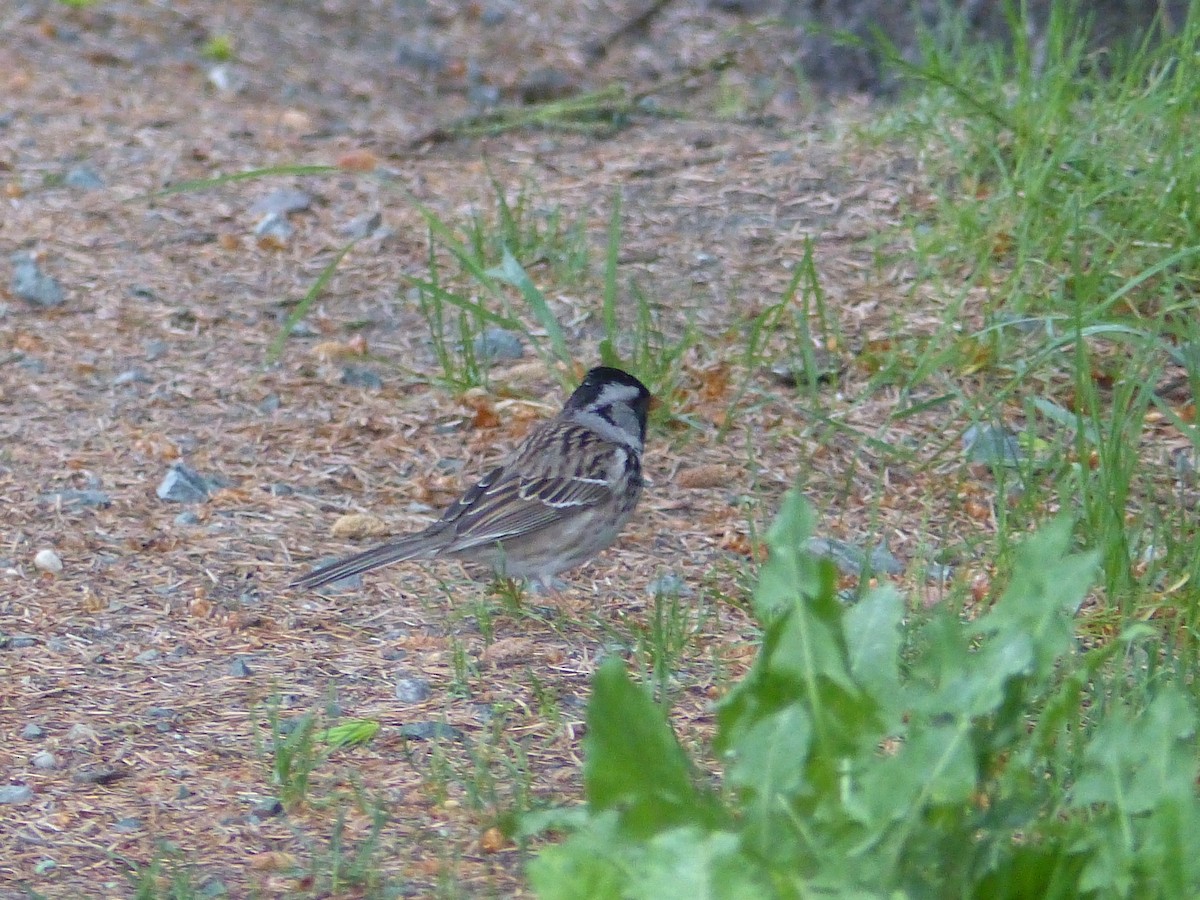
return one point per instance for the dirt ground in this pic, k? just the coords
(146, 667)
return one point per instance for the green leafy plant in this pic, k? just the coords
(294, 752)
(868, 757)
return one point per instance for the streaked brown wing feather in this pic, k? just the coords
(543, 485)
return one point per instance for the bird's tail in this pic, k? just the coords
(411, 547)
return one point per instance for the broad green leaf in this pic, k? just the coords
(588, 866)
(633, 762)
(789, 572)
(697, 865)
(872, 632)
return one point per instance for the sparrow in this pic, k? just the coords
(561, 498)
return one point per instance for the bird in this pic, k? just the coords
(561, 498)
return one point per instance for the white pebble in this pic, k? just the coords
(48, 561)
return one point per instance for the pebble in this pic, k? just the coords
(493, 14)
(546, 83)
(162, 719)
(132, 376)
(32, 285)
(19, 641)
(429, 731)
(81, 732)
(852, 560)
(74, 498)
(239, 668)
(483, 95)
(498, 343)
(669, 585)
(47, 561)
(420, 58)
(183, 484)
(101, 773)
(225, 80)
(44, 759)
(282, 202)
(155, 350)
(939, 573)
(267, 809)
(361, 226)
(274, 227)
(127, 825)
(146, 656)
(279, 489)
(16, 793)
(142, 292)
(269, 404)
(84, 178)
(33, 732)
(360, 376)
(413, 690)
(186, 518)
(33, 364)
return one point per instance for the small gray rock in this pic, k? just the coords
(273, 225)
(498, 343)
(669, 585)
(361, 226)
(239, 668)
(101, 773)
(413, 690)
(186, 518)
(267, 809)
(431, 731)
(32, 285)
(131, 376)
(279, 489)
(269, 404)
(22, 641)
(33, 732)
(183, 484)
(282, 202)
(146, 656)
(15, 793)
(33, 364)
(420, 58)
(81, 733)
(483, 95)
(493, 14)
(853, 560)
(359, 376)
(939, 573)
(44, 759)
(155, 350)
(162, 719)
(72, 498)
(84, 178)
(127, 825)
(545, 84)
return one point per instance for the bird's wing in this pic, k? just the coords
(558, 473)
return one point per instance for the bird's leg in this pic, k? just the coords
(547, 587)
